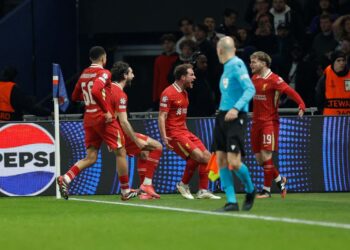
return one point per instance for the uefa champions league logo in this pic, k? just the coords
(26, 159)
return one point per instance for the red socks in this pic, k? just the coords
(189, 170)
(268, 172)
(124, 183)
(203, 176)
(72, 173)
(147, 167)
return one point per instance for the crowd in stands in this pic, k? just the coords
(300, 41)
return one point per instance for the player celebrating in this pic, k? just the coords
(265, 128)
(236, 92)
(148, 158)
(175, 135)
(99, 125)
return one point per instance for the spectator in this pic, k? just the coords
(255, 9)
(187, 49)
(264, 39)
(186, 27)
(301, 77)
(13, 101)
(323, 43)
(333, 88)
(325, 8)
(282, 13)
(204, 47)
(163, 65)
(341, 27)
(345, 48)
(201, 96)
(228, 27)
(213, 36)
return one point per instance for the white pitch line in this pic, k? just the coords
(237, 215)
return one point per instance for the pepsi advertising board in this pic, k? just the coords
(314, 154)
(27, 163)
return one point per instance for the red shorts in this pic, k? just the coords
(264, 136)
(185, 143)
(131, 148)
(110, 133)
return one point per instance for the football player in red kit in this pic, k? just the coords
(175, 135)
(93, 87)
(147, 150)
(265, 128)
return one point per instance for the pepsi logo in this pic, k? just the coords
(27, 162)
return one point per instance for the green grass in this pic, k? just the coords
(47, 223)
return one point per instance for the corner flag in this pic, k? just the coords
(59, 88)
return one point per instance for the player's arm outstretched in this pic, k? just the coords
(161, 123)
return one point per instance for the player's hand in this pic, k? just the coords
(166, 141)
(144, 155)
(301, 113)
(231, 115)
(108, 117)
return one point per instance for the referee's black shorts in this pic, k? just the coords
(229, 135)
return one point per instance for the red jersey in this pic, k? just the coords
(93, 87)
(174, 101)
(266, 100)
(119, 99)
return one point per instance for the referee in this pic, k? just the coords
(236, 92)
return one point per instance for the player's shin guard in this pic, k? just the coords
(227, 185)
(268, 173)
(71, 174)
(243, 174)
(203, 176)
(191, 166)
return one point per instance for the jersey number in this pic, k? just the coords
(267, 139)
(86, 89)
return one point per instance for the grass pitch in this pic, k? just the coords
(301, 221)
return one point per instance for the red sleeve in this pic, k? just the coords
(295, 97)
(96, 91)
(121, 102)
(165, 102)
(77, 94)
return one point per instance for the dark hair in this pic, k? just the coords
(326, 16)
(228, 12)
(168, 37)
(189, 43)
(96, 52)
(202, 27)
(181, 70)
(189, 20)
(8, 74)
(118, 70)
(337, 54)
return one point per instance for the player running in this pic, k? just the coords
(99, 124)
(265, 128)
(147, 150)
(175, 135)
